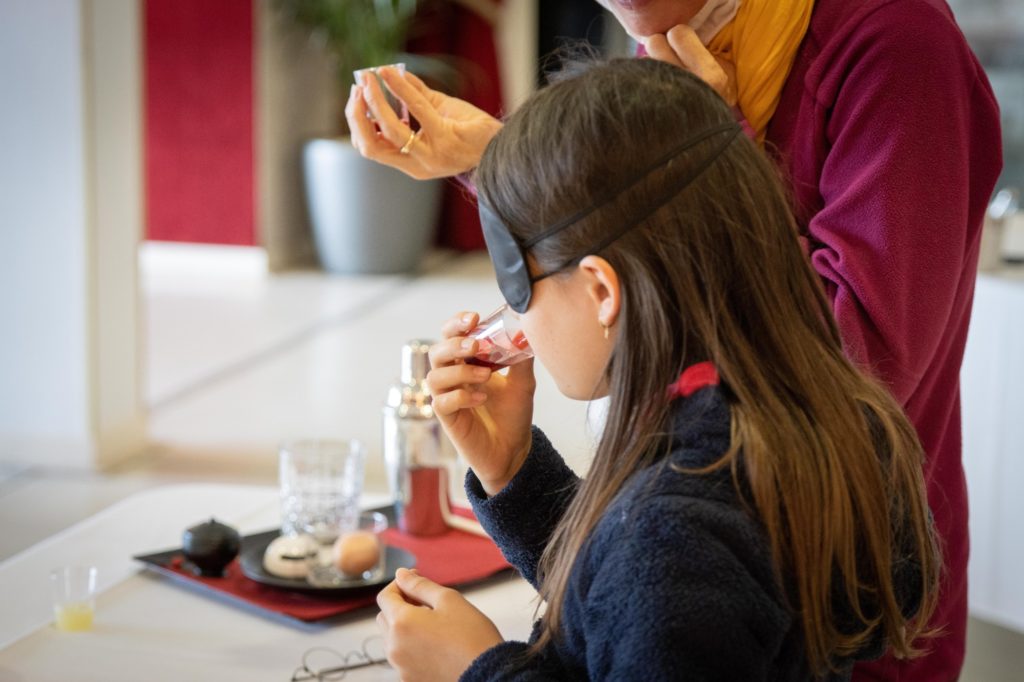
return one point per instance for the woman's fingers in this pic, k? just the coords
(447, 404)
(446, 352)
(658, 48)
(419, 105)
(452, 383)
(423, 590)
(690, 50)
(359, 125)
(391, 126)
(390, 601)
(460, 324)
(364, 135)
(443, 379)
(425, 90)
(682, 47)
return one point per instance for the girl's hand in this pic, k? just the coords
(452, 136)
(431, 632)
(682, 47)
(486, 415)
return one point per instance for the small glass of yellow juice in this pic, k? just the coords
(74, 597)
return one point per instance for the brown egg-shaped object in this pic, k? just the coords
(356, 552)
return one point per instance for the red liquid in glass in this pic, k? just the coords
(484, 363)
(499, 351)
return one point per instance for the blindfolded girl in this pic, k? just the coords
(755, 508)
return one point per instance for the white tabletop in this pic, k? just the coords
(150, 628)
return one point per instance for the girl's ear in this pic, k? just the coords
(602, 285)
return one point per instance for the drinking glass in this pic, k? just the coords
(501, 340)
(74, 597)
(397, 105)
(321, 481)
(356, 556)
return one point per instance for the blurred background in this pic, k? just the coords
(179, 294)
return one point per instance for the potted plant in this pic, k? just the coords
(366, 217)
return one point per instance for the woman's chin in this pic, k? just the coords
(633, 5)
(642, 18)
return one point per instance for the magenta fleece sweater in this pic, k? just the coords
(889, 133)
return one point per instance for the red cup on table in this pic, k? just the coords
(501, 341)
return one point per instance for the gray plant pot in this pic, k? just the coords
(367, 218)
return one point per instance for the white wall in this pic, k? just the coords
(70, 212)
(43, 369)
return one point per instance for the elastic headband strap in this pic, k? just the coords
(662, 199)
(661, 161)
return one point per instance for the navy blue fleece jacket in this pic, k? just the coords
(676, 582)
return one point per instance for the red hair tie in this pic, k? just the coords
(693, 378)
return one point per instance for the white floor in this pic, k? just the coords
(239, 361)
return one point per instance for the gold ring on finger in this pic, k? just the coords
(413, 136)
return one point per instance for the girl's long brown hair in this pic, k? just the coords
(717, 273)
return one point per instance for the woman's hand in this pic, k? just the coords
(452, 136)
(487, 415)
(431, 632)
(682, 47)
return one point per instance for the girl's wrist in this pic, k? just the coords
(495, 485)
(492, 488)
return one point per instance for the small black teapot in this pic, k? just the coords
(210, 547)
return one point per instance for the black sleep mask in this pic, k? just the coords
(509, 256)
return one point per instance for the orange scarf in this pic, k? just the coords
(761, 42)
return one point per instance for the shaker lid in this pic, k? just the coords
(415, 361)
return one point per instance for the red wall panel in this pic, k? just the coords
(199, 121)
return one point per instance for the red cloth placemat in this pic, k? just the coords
(453, 558)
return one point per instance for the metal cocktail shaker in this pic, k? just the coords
(417, 454)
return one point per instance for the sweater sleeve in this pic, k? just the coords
(895, 236)
(522, 516)
(510, 662)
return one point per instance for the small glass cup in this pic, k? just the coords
(397, 105)
(357, 556)
(74, 597)
(321, 482)
(501, 340)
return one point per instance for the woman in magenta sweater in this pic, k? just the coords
(886, 128)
